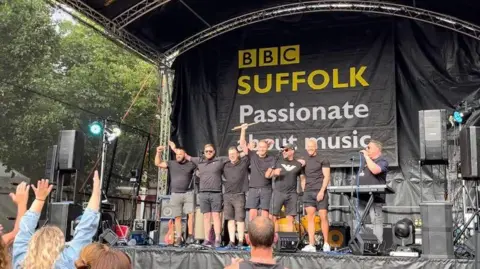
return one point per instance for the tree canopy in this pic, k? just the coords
(61, 74)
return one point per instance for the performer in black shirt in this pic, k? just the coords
(181, 200)
(210, 169)
(286, 171)
(315, 196)
(260, 188)
(235, 186)
(374, 172)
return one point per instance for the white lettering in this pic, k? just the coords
(245, 110)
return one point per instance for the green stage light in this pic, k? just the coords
(95, 128)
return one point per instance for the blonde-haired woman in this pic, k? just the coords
(46, 248)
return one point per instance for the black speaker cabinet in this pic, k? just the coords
(433, 135)
(469, 152)
(63, 216)
(338, 235)
(437, 230)
(70, 150)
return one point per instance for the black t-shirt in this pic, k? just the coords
(236, 176)
(287, 181)
(255, 265)
(366, 177)
(258, 168)
(314, 173)
(210, 173)
(181, 176)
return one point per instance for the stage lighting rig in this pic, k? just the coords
(404, 232)
(463, 111)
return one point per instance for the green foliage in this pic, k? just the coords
(51, 73)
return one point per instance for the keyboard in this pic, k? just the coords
(361, 189)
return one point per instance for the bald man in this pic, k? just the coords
(315, 196)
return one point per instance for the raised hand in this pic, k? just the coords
(42, 190)
(20, 197)
(172, 145)
(96, 182)
(244, 126)
(160, 149)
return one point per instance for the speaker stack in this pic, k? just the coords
(433, 136)
(437, 230)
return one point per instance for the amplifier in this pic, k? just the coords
(365, 244)
(287, 242)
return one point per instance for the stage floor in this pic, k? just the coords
(163, 257)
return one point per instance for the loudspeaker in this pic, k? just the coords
(63, 216)
(470, 152)
(437, 229)
(433, 135)
(51, 165)
(338, 235)
(365, 244)
(287, 242)
(166, 210)
(70, 150)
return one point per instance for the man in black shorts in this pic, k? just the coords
(260, 188)
(235, 185)
(210, 169)
(286, 172)
(181, 200)
(315, 195)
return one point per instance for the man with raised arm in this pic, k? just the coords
(181, 174)
(315, 196)
(286, 172)
(260, 187)
(20, 198)
(210, 169)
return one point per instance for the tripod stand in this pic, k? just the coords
(476, 236)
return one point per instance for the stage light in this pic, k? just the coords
(458, 116)
(95, 128)
(404, 231)
(113, 133)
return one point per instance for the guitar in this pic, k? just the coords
(170, 235)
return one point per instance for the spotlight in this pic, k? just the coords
(461, 116)
(113, 133)
(404, 232)
(95, 128)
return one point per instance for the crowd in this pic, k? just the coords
(45, 248)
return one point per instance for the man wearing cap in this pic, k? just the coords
(286, 172)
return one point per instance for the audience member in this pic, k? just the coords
(100, 256)
(261, 234)
(46, 248)
(20, 198)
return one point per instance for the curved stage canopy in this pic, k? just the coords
(156, 28)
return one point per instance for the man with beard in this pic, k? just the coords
(181, 200)
(260, 188)
(236, 185)
(210, 169)
(286, 172)
(315, 195)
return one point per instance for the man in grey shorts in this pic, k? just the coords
(236, 185)
(181, 200)
(210, 169)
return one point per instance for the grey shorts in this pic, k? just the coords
(234, 206)
(289, 200)
(259, 198)
(181, 203)
(310, 200)
(210, 202)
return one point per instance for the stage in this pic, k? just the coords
(162, 257)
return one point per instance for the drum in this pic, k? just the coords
(318, 227)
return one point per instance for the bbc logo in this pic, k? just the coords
(269, 56)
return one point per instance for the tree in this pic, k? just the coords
(75, 70)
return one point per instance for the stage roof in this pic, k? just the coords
(162, 24)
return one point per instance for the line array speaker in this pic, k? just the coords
(469, 152)
(437, 229)
(433, 135)
(70, 150)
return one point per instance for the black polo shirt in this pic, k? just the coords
(236, 176)
(210, 173)
(181, 176)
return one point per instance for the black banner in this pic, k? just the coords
(336, 85)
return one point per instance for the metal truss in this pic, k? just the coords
(376, 7)
(112, 30)
(137, 11)
(166, 80)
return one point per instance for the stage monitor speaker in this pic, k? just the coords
(437, 229)
(287, 242)
(63, 215)
(433, 135)
(470, 152)
(365, 244)
(338, 235)
(70, 150)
